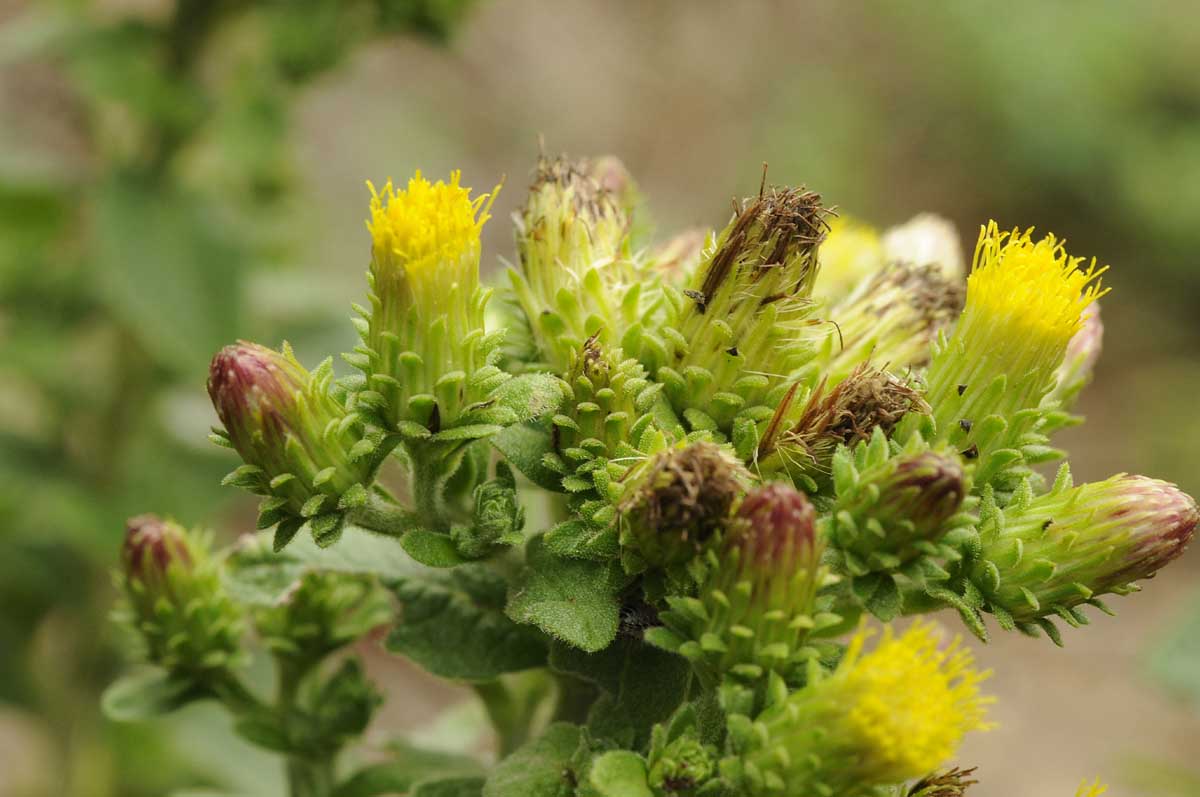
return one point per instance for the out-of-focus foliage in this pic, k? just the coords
(146, 186)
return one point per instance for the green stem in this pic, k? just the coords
(503, 713)
(383, 517)
(310, 777)
(307, 775)
(428, 480)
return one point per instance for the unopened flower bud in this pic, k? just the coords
(152, 547)
(1080, 360)
(774, 533)
(1044, 556)
(926, 240)
(575, 271)
(678, 501)
(890, 510)
(175, 598)
(759, 599)
(881, 718)
(301, 446)
(322, 612)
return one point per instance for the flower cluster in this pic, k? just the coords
(736, 449)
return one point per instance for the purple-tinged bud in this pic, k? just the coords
(678, 501)
(152, 546)
(257, 393)
(1045, 555)
(175, 599)
(777, 529)
(892, 509)
(758, 603)
(302, 447)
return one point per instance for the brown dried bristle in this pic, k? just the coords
(783, 219)
(688, 491)
(867, 399)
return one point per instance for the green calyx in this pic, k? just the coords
(175, 600)
(322, 612)
(759, 605)
(892, 508)
(1043, 557)
(304, 451)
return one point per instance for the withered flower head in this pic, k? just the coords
(869, 398)
(776, 233)
(684, 496)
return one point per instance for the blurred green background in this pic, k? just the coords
(177, 175)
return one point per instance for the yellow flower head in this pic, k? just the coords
(1030, 291)
(425, 238)
(1026, 299)
(850, 254)
(1093, 789)
(909, 702)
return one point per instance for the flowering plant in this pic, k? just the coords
(742, 448)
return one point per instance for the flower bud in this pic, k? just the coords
(301, 447)
(763, 592)
(926, 240)
(175, 600)
(677, 503)
(741, 325)
(322, 612)
(892, 318)
(576, 272)
(1080, 360)
(890, 510)
(424, 337)
(1025, 301)
(881, 718)
(1046, 555)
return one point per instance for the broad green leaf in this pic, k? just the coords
(147, 695)
(453, 624)
(409, 765)
(643, 685)
(431, 548)
(619, 773)
(530, 396)
(572, 599)
(524, 445)
(541, 768)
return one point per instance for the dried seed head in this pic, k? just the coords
(681, 500)
(868, 399)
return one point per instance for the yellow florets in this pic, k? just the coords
(426, 224)
(1030, 288)
(909, 701)
(1093, 789)
(851, 253)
